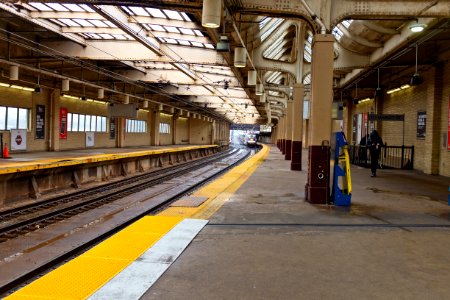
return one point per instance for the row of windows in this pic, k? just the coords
(136, 126)
(77, 122)
(13, 118)
(164, 128)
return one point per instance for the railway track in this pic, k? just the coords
(28, 218)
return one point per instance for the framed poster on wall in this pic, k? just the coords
(63, 123)
(90, 139)
(18, 139)
(112, 128)
(421, 124)
(39, 131)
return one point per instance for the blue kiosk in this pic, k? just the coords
(342, 182)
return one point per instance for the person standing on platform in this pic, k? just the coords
(375, 142)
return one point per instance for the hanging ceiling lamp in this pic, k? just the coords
(251, 77)
(259, 89)
(416, 79)
(126, 99)
(14, 73)
(101, 93)
(212, 11)
(417, 27)
(262, 98)
(65, 85)
(240, 57)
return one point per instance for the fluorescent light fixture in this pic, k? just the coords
(393, 90)
(4, 84)
(405, 86)
(71, 97)
(365, 100)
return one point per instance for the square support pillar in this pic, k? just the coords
(297, 127)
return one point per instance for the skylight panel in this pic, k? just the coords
(171, 41)
(307, 79)
(160, 39)
(87, 8)
(29, 7)
(98, 23)
(59, 22)
(185, 17)
(198, 32)
(307, 57)
(110, 24)
(156, 13)
(184, 42)
(209, 46)
(347, 23)
(83, 22)
(69, 22)
(264, 21)
(337, 33)
(139, 11)
(173, 15)
(271, 29)
(187, 31)
(95, 36)
(157, 27)
(74, 7)
(106, 36)
(197, 44)
(171, 29)
(57, 7)
(40, 6)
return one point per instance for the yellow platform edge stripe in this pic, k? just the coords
(85, 274)
(70, 161)
(220, 190)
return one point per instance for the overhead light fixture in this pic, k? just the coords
(14, 72)
(417, 27)
(259, 89)
(262, 98)
(251, 77)
(240, 57)
(160, 107)
(223, 45)
(145, 104)
(37, 89)
(126, 99)
(416, 79)
(100, 93)
(65, 85)
(188, 114)
(212, 11)
(172, 110)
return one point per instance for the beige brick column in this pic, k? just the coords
(317, 187)
(288, 143)
(297, 127)
(54, 102)
(155, 128)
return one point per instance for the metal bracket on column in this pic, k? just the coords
(34, 193)
(76, 181)
(123, 169)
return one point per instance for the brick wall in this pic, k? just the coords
(182, 131)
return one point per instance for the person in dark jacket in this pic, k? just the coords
(375, 142)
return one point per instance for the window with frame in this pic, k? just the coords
(136, 126)
(164, 128)
(84, 123)
(14, 118)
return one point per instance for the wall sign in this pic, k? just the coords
(112, 128)
(39, 126)
(421, 124)
(90, 139)
(18, 139)
(63, 123)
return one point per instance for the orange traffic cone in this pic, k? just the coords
(6, 151)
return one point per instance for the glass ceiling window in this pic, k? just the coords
(264, 21)
(271, 29)
(337, 33)
(308, 52)
(307, 79)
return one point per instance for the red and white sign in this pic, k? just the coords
(448, 129)
(63, 123)
(18, 139)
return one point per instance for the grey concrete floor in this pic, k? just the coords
(268, 243)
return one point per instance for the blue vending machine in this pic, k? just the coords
(342, 181)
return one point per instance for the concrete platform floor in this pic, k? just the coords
(266, 242)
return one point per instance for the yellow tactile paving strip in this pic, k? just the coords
(70, 161)
(220, 190)
(82, 276)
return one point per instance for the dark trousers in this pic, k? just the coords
(374, 154)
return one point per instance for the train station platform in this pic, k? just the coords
(263, 241)
(30, 176)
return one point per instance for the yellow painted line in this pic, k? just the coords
(71, 161)
(221, 190)
(82, 276)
